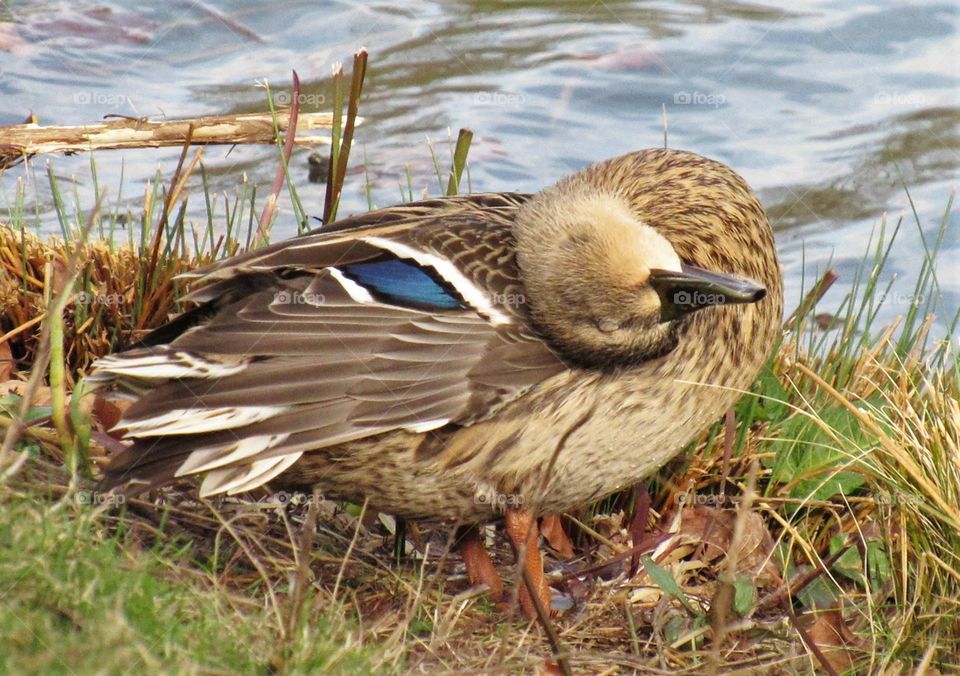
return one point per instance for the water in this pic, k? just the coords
(827, 109)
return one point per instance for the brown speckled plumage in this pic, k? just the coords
(564, 389)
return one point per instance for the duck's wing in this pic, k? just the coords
(391, 324)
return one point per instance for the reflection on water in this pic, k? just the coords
(829, 110)
(904, 150)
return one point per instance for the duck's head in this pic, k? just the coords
(620, 258)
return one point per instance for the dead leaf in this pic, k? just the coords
(830, 633)
(549, 668)
(41, 396)
(714, 529)
(107, 413)
(709, 526)
(551, 528)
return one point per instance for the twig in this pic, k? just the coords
(807, 639)
(647, 544)
(349, 552)
(790, 589)
(303, 555)
(12, 333)
(559, 652)
(25, 140)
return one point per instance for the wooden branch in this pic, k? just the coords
(24, 140)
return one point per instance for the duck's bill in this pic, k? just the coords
(691, 288)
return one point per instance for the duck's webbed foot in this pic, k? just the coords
(480, 568)
(521, 528)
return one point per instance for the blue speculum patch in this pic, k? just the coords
(403, 282)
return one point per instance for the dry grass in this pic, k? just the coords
(110, 309)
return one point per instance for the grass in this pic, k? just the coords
(817, 528)
(83, 593)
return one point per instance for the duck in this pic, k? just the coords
(468, 359)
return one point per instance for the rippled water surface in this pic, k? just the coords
(827, 108)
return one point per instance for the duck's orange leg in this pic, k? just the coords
(522, 529)
(551, 527)
(480, 569)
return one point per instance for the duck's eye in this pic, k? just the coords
(607, 324)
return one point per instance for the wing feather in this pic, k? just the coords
(326, 360)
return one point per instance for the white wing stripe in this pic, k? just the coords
(357, 292)
(470, 292)
(426, 425)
